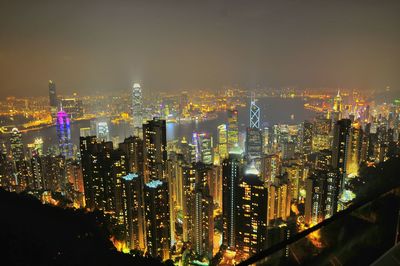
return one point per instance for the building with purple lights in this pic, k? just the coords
(64, 134)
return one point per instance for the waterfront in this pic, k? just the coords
(273, 111)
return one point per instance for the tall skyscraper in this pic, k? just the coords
(37, 172)
(137, 108)
(133, 210)
(233, 129)
(203, 221)
(337, 107)
(321, 135)
(17, 147)
(307, 133)
(133, 148)
(341, 134)
(155, 149)
(222, 142)
(203, 147)
(254, 146)
(96, 168)
(254, 113)
(231, 172)
(252, 197)
(157, 218)
(64, 134)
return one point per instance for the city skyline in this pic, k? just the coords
(199, 133)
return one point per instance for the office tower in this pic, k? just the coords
(53, 100)
(251, 223)
(174, 173)
(278, 199)
(37, 172)
(254, 113)
(102, 131)
(137, 109)
(332, 193)
(233, 129)
(74, 175)
(288, 150)
(17, 147)
(54, 172)
(254, 146)
(184, 101)
(96, 168)
(133, 148)
(155, 152)
(321, 134)
(307, 133)
(267, 140)
(222, 142)
(337, 107)
(188, 187)
(64, 134)
(157, 218)
(341, 133)
(354, 149)
(203, 147)
(73, 107)
(203, 221)
(215, 184)
(133, 210)
(293, 171)
(85, 132)
(322, 195)
(323, 159)
(231, 173)
(270, 168)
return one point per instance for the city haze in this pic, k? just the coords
(88, 46)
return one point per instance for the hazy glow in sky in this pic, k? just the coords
(89, 45)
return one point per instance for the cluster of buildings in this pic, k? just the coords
(189, 200)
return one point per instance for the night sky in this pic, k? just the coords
(89, 46)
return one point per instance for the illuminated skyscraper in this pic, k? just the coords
(155, 149)
(96, 168)
(307, 134)
(321, 135)
(254, 113)
(254, 146)
(270, 168)
(354, 149)
(251, 223)
(341, 135)
(203, 147)
(133, 148)
(17, 147)
(102, 131)
(233, 129)
(133, 210)
(64, 134)
(37, 172)
(278, 199)
(231, 172)
(222, 142)
(203, 221)
(338, 104)
(137, 109)
(157, 218)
